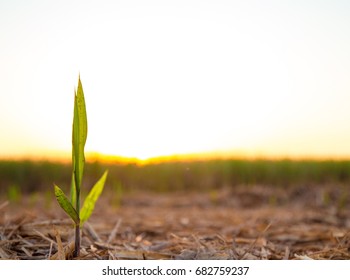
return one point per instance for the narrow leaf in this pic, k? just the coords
(75, 142)
(90, 201)
(73, 191)
(66, 205)
(79, 135)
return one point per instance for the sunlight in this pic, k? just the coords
(162, 80)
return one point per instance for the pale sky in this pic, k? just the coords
(164, 77)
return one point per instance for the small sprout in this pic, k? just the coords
(14, 193)
(117, 194)
(72, 206)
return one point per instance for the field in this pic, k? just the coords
(213, 209)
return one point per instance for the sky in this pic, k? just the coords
(249, 78)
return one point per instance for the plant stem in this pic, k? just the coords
(77, 241)
(77, 228)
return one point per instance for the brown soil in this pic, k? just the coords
(247, 223)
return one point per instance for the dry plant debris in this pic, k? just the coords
(235, 225)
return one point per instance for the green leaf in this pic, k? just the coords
(66, 205)
(90, 201)
(73, 191)
(79, 135)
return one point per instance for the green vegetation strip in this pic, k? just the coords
(30, 176)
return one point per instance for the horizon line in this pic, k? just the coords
(92, 156)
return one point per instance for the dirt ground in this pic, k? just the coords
(245, 223)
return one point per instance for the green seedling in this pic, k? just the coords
(117, 194)
(214, 196)
(343, 199)
(72, 206)
(14, 193)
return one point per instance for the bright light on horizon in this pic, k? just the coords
(186, 77)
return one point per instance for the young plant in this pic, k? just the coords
(72, 207)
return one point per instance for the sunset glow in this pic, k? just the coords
(163, 78)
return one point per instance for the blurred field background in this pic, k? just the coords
(33, 178)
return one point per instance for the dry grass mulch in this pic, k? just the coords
(244, 223)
